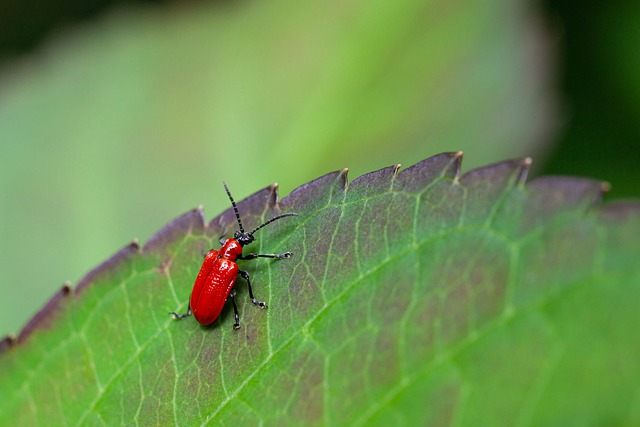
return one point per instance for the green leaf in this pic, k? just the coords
(416, 297)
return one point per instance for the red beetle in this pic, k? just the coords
(219, 271)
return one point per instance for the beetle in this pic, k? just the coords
(214, 283)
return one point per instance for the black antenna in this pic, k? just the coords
(235, 208)
(271, 220)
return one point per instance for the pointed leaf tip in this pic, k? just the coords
(373, 182)
(441, 166)
(43, 319)
(567, 191)
(497, 175)
(315, 192)
(6, 343)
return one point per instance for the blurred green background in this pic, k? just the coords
(115, 117)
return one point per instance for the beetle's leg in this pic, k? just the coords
(235, 309)
(276, 256)
(245, 276)
(181, 316)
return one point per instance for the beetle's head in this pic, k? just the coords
(243, 238)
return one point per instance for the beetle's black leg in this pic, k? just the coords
(181, 316)
(276, 256)
(245, 276)
(235, 309)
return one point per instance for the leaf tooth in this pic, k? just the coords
(568, 191)
(314, 193)
(458, 165)
(497, 176)
(273, 200)
(6, 343)
(43, 318)
(415, 178)
(343, 175)
(524, 171)
(375, 182)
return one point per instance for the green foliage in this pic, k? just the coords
(416, 297)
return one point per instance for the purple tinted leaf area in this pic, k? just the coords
(372, 183)
(104, 270)
(192, 222)
(312, 195)
(44, 318)
(486, 186)
(416, 177)
(412, 297)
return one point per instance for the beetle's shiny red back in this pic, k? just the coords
(212, 287)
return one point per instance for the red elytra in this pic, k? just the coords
(214, 283)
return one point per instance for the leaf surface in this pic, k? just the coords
(413, 297)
